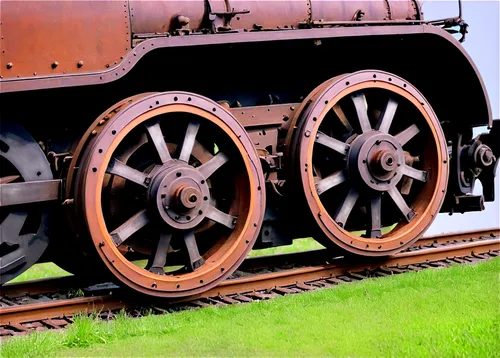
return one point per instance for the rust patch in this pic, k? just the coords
(46, 38)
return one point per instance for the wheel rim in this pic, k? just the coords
(377, 159)
(23, 228)
(202, 217)
(80, 262)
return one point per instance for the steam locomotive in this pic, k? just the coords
(157, 142)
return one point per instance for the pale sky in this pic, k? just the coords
(482, 44)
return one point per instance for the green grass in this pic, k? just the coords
(453, 312)
(298, 245)
(39, 271)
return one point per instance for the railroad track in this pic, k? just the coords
(52, 303)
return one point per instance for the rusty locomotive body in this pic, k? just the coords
(158, 142)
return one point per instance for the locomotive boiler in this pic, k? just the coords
(157, 142)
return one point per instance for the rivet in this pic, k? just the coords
(55, 64)
(80, 63)
(308, 133)
(10, 65)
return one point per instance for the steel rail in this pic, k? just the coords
(443, 248)
(290, 277)
(64, 283)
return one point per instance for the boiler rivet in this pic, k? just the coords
(55, 64)
(10, 65)
(80, 63)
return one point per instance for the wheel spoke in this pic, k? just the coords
(375, 217)
(330, 181)
(404, 136)
(387, 116)
(401, 204)
(195, 260)
(341, 115)
(118, 168)
(346, 207)
(332, 143)
(12, 225)
(208, 168)
(131, 226)
(188, 142)
(222, 218)
(155, 135)
(159, 257)
(362, 112)
(415, 173)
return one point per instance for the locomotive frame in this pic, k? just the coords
(178, 126)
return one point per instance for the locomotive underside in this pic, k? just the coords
(211, 135)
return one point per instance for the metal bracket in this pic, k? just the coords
(30, 192)
(227, 16)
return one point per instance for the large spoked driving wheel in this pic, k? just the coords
(371, 160)
(23, 227)
(172, 194)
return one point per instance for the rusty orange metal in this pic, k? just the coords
(228, 252)
(50, 38)
(127, 61)
(429, 202)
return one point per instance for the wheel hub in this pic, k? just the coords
(376, 160)
(179, 194)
